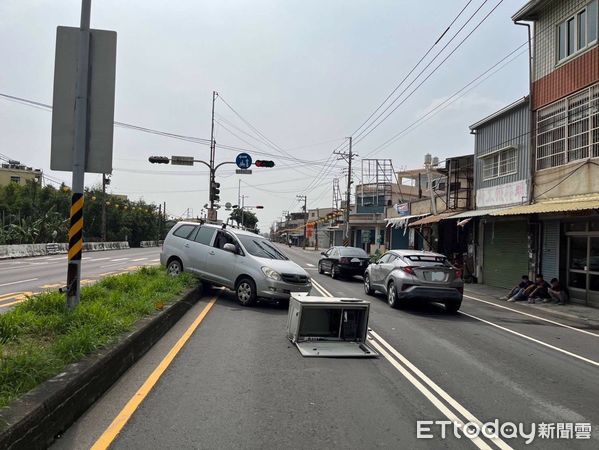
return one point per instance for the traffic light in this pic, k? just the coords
(264, 163)
(158, 159)
(214, 191)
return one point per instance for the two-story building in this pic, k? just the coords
(19, 174)
(565, 136)
(499, 247)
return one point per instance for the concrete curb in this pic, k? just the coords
(36, 419)
(549, 311)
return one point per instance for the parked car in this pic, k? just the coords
(339, 261)
(404, 275)
(245, 262)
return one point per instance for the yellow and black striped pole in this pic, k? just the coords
(75, 248)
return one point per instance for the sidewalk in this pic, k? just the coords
(579, 315)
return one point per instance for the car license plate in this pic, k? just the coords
(438, 276)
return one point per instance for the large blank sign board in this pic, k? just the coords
(102, 70)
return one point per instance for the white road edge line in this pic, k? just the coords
(532, 315)
(139, 259)
(498, 442)
(17, 282)
(119, 259)
(565, 352)
(309, 265)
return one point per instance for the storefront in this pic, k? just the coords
(582, 260)
(504, 252)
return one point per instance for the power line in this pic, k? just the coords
(451, 99)
(413, 68)
(361, 136)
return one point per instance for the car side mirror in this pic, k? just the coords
(230, 248)
(323, 253)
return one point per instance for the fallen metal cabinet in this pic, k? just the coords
(329, 326)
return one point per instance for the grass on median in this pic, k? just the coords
(40, 337)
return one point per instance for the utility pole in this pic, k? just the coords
(79, 153)
(305, 199)
(429, 163)
(239, 192)
(348, 157)
(316, 230)
(243, 197)
(105, 181)
(211, 211)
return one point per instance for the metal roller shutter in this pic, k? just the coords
(550, 262)
(505, 253)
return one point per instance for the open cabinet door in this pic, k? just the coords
(336, 349)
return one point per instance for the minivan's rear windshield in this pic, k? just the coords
(260, 247)
(427, 261)
(353, 252)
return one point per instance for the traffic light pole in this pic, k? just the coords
(211, 212)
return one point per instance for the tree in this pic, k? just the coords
(249, 219)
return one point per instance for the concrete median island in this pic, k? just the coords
(54, 363)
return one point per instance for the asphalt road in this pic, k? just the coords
(26, 276)
(238, 383)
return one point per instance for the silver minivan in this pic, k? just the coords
(242, 261)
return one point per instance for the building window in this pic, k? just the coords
(499, 164)
(568, 130)
(15, 179)
(578, 32)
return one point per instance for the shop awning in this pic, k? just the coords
(397, 222)
(433, 219)
(478, 213)
(579, 203)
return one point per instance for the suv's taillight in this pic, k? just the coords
(344, 260)
(408, 269)
(458, 274)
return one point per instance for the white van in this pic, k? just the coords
(242, 261)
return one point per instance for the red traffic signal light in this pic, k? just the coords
(264, 163)
(158, 159)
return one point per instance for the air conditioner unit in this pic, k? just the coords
(329, 326)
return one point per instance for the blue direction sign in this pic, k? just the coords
(243, 161)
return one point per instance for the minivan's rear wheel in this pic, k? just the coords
(367, 288)
(246, 291)
(174, 267)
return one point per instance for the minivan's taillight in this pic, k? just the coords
(408, 269)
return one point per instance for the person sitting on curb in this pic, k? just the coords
(517, 292)
(557, 293)
(540, 291)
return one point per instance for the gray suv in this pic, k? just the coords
(404, 275)
(245, 262)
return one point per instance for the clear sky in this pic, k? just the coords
(305, 73)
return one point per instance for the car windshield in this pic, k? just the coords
(427, 261)
(353, 252)
(260, 247)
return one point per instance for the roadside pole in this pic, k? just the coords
(104, 207)
(305, 199)
(347, 157)
(79, 150)
(211, 211)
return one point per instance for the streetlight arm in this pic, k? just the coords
(203, 162)
(223, 163)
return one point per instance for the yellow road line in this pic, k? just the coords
(52, 286)
(109, 435)
(12, 303)
(107, 273)
(6, 296)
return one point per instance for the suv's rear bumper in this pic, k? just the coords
(431, 294)
(280, 290)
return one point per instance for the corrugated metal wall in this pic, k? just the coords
(509, 129)
(550, 259)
